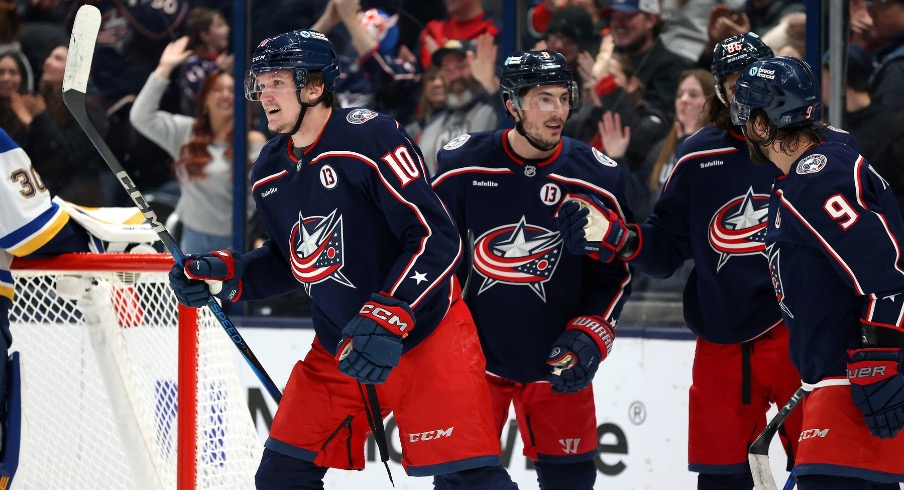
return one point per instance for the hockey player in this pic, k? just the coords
(713, 210)
(834, 243)
(332, 174)
(534, 303)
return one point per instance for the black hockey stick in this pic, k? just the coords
(758, 454)
(75, 86)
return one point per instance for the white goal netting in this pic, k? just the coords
(101, 372)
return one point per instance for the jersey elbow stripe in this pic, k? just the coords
(824, 243)
(696, 154)
(268, 179)
(464, 170)
(608, 315)
(858, 183)
(595, 188)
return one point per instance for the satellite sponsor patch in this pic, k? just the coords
(604, 159)
(456, 142)
(360, 116)
(812, 164)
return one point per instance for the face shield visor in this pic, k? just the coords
(740, 113)
(268, 81)
(548, 100)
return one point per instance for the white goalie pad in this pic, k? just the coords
(115, 229)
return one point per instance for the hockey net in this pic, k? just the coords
(122, 387)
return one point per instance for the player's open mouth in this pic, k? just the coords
(272, 111)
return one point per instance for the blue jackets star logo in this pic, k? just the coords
(518, 255)
(739, 227)
(317, 250)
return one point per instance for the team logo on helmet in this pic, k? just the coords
(812, 164)
(360, 116)
(604, 159)
(457, 142)
(316, 250)
(739, 227)
(517, 255)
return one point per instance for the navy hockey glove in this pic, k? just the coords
(578, 352)
(590, 228)
(218, 273)
(877, 388)
(371, 343)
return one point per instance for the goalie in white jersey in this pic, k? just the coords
(33, 224)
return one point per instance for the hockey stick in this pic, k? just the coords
(75, 86)
(758, 454)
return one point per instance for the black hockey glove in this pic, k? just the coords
(577, 353)
(877, 388)
(218, 273)
(590, 228)
(371, 344)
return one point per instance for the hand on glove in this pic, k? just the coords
(577, 353)
(877, 388)
(371, 343)
(590, 228)
(218, 273)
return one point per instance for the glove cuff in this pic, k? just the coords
(597, 328)
(390, 313)
(867, 366)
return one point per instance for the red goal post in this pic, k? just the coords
(106, 353)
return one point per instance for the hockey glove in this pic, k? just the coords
(590, 228)
(577, 353)
(877, 388)
(218, 273)
(371, 343)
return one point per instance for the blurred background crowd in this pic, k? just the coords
(163, 87)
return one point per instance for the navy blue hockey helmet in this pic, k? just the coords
(301, 52)
(733, 55)
(525, 69)
(783, 87)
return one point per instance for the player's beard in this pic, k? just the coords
(757, 154)
(538, 132)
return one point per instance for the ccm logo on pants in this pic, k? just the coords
(430, 434)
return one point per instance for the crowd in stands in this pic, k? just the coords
(642, 67)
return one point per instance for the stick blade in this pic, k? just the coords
(81, 49)
(762, 472)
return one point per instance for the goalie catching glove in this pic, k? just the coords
(877, 388)
(577, 353)
(371, 344)
(218, 273)
(590, 228)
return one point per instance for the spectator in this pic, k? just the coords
(371, 75)
(10, 30)
(467, 20)
(878, 128)
(687, 21)
(15, 116)
(432, 100)
(570, 32)
(208, 38)
(539, 17)
(58, 147)
(470, 82)
(888, 78)
(201, 147)
(764, 15)
(636, 29)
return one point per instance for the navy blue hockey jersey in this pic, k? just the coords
(521, 284)
(355, 216)
(834, 242)
(713, 210)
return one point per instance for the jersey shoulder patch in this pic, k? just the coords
(457, 142)
(811, 164)
(360, 116)
(603, 158)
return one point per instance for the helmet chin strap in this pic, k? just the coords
(304, 108)
(520, 128)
